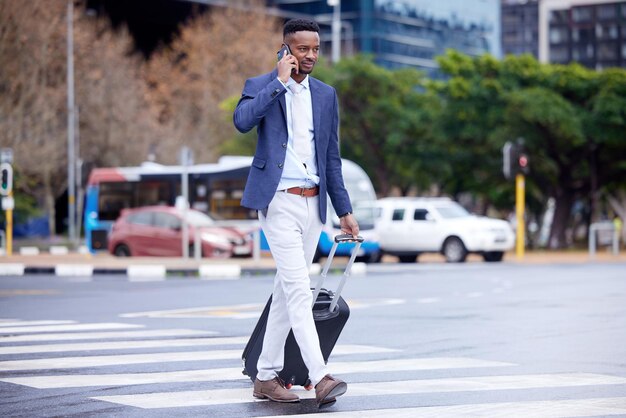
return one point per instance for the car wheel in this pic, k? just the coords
(407, 258)
(122, 251)
(454, 250)
(493, 256)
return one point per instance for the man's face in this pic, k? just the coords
(305, 46)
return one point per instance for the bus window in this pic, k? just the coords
(150, 193)
(114, 197)
(225, 199)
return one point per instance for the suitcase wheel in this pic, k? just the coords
(308, 385)
(289, 384)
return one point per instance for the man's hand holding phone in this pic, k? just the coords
(287, 64)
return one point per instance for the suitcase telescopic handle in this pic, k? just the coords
(338, 239)
(348, 238)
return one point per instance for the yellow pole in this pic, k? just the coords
(9, 228)
(519, 214)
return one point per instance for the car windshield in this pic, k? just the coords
(452, 211)
(199, 219)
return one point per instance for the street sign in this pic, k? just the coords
(8, 203)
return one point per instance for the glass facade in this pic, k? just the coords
(408, 33)
(520, 27)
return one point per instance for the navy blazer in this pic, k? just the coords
(262, 104)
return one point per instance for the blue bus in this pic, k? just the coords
(215, 189)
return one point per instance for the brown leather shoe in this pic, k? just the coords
(274, 390)
(327, 390)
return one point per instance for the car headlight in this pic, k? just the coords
(215, 238)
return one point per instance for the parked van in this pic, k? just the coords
(410, 226)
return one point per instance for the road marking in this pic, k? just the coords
(70, 381)
(245, 311)
(483, 383)
(535, 409)
(70, 336)
(27, 292)
(428, 300)
(196, 312)
(69, 327)
(124, 359)
(474, 294)
(30, 323)
(122, 345)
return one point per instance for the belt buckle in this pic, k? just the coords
(302, 189)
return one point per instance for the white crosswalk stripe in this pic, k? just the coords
(482, 383)
(76, 336)
(536, 409)
(35, 356)
(125, 359)
(404, 364)
(31, 323)
(69, 327)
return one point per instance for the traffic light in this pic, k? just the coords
(508, 160)
(6, 184)
(522, 162)
(514, 160)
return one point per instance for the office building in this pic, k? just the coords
(520, 27)
(591, 32)
(406, 33)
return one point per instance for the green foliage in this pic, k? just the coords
(386, 122)
(408, 131)
(240, 144)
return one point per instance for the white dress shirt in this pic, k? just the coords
(298, 173)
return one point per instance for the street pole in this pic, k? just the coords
(519, 214)
(71, 163)
(336, 30)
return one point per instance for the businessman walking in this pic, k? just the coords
(295, 166)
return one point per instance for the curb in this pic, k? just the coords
(151, 272)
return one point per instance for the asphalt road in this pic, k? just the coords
(425, 340)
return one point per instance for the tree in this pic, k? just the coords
(207, 63)
(569, 116)
(385, 121)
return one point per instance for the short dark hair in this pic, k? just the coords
(297, 25)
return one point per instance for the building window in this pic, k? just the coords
(607, 52)
(606, 31)
(559, 54)
(582, 14)
(583, 35)
(559, 16)
(583, 52)
(558, 35)
(607, 12)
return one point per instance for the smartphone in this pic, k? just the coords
(284, 50)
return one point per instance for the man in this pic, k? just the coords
(295, 164)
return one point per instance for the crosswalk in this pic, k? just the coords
(184, 369)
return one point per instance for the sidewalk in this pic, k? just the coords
(75, 264)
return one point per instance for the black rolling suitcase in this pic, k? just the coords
(330, 313)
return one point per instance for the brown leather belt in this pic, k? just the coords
(302, 192)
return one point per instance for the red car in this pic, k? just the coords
(157, 231)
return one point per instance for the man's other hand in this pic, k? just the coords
(349, 225)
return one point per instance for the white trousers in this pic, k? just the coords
(292, 227)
